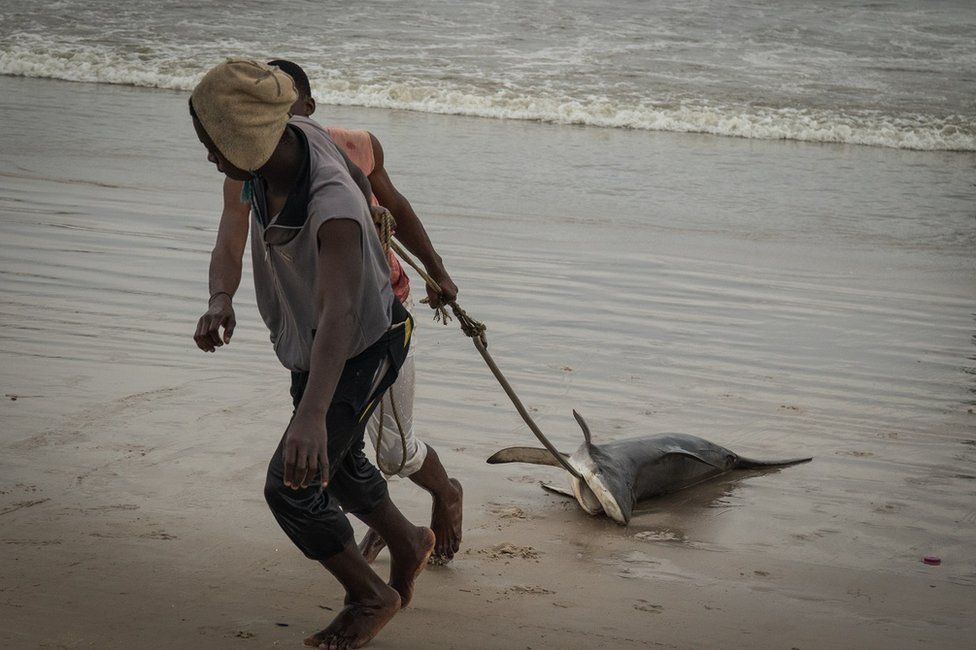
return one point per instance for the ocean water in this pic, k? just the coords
(895, 74)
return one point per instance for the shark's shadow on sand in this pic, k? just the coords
(615, 476)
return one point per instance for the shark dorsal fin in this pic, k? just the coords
(584, 427)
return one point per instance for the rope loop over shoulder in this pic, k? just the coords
(385, 225)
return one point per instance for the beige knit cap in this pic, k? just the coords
(244, 106)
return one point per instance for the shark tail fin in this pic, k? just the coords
(584, 426)
(533, 455)
(749, 463)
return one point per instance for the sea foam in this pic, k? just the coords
(29, 55)
(920, 132)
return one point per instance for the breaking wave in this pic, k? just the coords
(28, 55)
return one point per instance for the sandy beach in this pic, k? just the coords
(778, 298)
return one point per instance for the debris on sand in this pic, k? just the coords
(507, 551)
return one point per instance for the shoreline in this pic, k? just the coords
(768, 123)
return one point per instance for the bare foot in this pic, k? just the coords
(406, 566)
(445, 521)
(371, 545)
(357, 623)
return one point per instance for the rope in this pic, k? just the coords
(385, 226)
(473, 329)
(379, 436)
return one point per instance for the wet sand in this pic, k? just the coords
(777, 298)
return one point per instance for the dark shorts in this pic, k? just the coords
(314, 517)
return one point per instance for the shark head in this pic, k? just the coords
(594, 490)
(594, 485)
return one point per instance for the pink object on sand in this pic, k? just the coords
(932, 560)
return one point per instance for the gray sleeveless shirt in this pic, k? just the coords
(285, 255)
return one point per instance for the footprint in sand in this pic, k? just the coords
(19, 487)
(20, 505)
(520, 590)
(31, 542)
(663, 535)
(158, 535)
(644, 606)
(506, 551)
(856, 454)
(506, 512)
(888, 508)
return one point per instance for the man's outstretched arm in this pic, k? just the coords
(409, 229)
(340, 277)
(225, 270)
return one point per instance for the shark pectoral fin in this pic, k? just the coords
(701, 458)
(751, 463)
(533, 455)
(549, 487)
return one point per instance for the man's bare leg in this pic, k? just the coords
(446, 514)
(445, 518)
(371, 545)
(371, 603)
(410, 546)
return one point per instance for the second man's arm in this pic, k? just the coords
(225, 271)
(409, 229)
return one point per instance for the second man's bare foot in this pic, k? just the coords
(409, 562)
(445, 521)
(357, 623)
